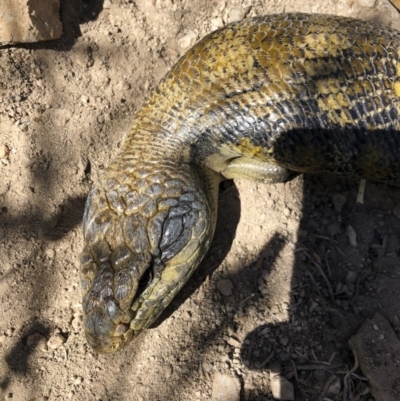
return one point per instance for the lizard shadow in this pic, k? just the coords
(326, 305)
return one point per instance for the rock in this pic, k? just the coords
(275, 309)
(28, 21)
(77, 322)
(9, 332)
(378, 351)
(55, 341)
(36, 341)
(351, 277)
(236, 14)
(352, 236)
(4, 151)
(339, 201)
(225, 287)
(50, 253)
(281, 388)
(395, 321)
(225, 388)
(207, 367)
(233, 342)
(335, 386)
(188, 40)
(107, 4)
(217, 23)
(284, 341)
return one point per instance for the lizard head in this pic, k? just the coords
(142, 243)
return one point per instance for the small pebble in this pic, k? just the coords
(216, 23)
(36, 340)
(232, 341)
(225, 388)
(351, 277)
(352, 236)
(50, 253)
(55, 341)
(9, 332)
(168, 371)
(265, 274)
(339, 200)
(77, 322)
(313, 305)
(395, 321)
(284, 341)
(235, 15)
(4, 151)
(207, 367)
(188, 40)
(335, 386)
(275, 309)
(225, 287)
(281, 388)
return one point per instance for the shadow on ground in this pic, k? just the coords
(335, 287)
(325, 307)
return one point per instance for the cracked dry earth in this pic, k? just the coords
(294, 269)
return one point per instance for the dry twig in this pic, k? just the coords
(348, 375)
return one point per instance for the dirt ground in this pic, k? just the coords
(307, 263)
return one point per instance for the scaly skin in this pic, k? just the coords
(258, 99)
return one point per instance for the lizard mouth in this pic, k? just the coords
(108, 345)
(106, 334)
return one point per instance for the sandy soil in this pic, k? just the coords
(302, 283)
